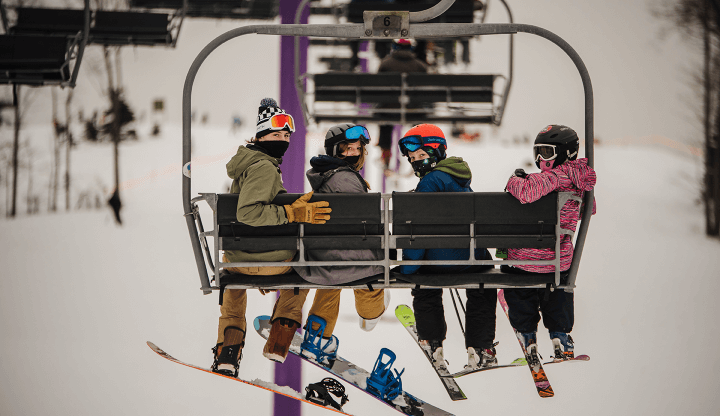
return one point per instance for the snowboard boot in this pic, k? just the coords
(227, 357)
(563, 346)
(435, 348)
(369, 324)
(281, 336)
(481, 357)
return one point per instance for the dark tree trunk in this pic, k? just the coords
(68, 147)
(15, 150)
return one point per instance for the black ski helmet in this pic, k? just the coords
(564, 139)
(336, 135)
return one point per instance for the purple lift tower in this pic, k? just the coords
(293, 171)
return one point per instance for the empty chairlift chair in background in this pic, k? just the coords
(215, 9)
(37, 60)
(430, 98)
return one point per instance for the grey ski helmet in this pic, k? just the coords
(337, 134)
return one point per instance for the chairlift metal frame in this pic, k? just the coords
(409, 25)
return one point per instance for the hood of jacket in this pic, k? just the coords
(580, 174)
(323, 168)
(457, 168)
(246, 156)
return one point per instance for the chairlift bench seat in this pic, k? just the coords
(49, 22)
(130, 28)
(389, 91)
(34, 60)
(417, 220)
(217, 9)
(462, 11)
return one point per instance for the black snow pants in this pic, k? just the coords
(479, 316)
(525, 306)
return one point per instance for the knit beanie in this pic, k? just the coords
(268, 108)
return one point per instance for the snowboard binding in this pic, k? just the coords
(382, 382)
(320, 393)
(313, 347)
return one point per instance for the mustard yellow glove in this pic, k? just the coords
(311, 212)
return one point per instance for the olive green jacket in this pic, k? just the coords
(256, 178)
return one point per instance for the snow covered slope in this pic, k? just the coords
(79, 297)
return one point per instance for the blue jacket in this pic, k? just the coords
(450, 175)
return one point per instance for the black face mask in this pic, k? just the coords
(422, 167)
(275, 148)
(351, 160)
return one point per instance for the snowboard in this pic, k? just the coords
(405, 403)
(283, 390)
(406, 316)
(542, 384)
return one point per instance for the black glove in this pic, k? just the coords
(520, 173)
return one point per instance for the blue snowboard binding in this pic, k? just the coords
(382, 382)
(313, 347)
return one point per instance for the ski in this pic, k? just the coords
(404, 403)
(542, 384)
(283, 390)
(407, 318)
(517, 363)
(579, 358)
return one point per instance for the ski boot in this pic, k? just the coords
(435, 348)
(563, 346)
(530, 342)
(227, 357)
(369, 324)
(481, 357)
(312, 346)
(280, 338)
(382, 382)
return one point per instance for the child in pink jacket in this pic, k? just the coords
(555, 151)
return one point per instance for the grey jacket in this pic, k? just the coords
(332, 175)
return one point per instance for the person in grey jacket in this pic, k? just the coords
(337, 172)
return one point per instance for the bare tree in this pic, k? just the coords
(700, 21)
(69, 143)
(55, 163)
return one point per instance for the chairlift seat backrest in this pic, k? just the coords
(221, 9)
(460, 12)
(130, 23)
(500, 220)
(355, 223)
(61, 22)
(31, 52)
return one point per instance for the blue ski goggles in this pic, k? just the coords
(357, 133)
(412, 143)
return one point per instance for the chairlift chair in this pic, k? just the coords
(215, 9)
(362, 221)
(338, 96)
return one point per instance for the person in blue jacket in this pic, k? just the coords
(424, 145)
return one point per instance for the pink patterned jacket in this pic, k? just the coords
(572, 176)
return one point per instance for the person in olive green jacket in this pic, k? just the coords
(257, 181)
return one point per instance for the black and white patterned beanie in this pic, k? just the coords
(268, 108)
